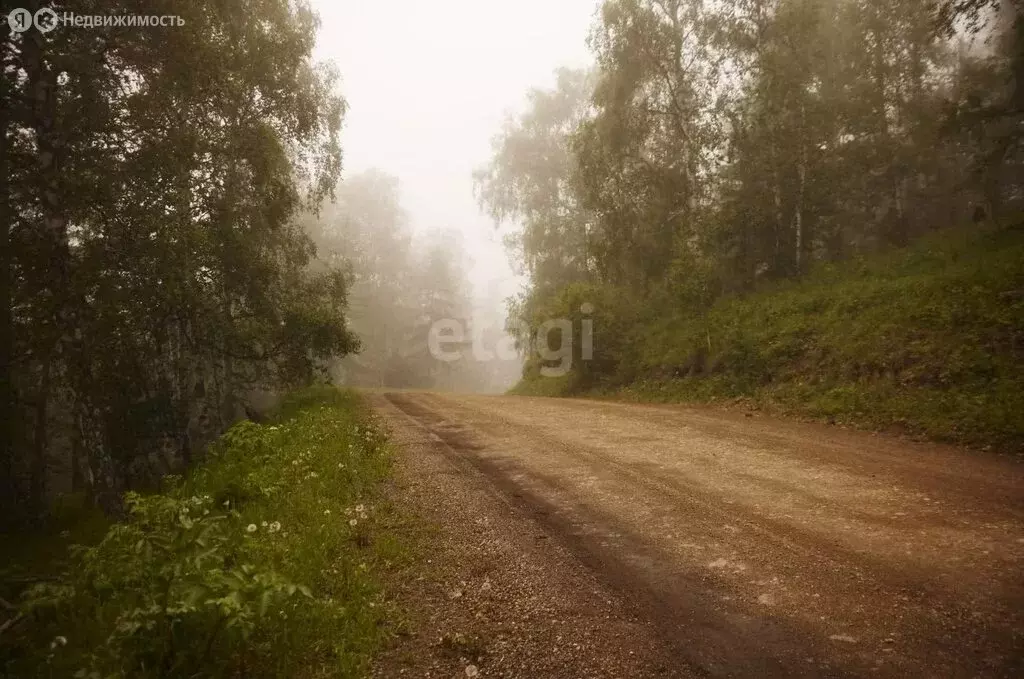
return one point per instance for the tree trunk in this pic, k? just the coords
(55, 284)
(106, 483)
(777, 265)
(81, 479)
(798, 210)
(8, 418)
(37, 469)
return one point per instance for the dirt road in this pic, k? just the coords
(755, 547)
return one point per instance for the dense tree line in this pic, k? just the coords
(716, 146)
(152, 270)
(403, 284)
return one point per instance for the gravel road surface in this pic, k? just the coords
(677, 541)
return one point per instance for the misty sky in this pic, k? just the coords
(429, 83)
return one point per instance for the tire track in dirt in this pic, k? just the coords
(496, 596)
(777, 600)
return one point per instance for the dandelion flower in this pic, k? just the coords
(251, 528)
(353, 522)
(360, 508)
(327, 512)
(263, 524)
(274, 527)
(58, 641)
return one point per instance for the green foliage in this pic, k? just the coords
(928, 339)
(729, 145)
(531, 180)
(614, 315)
(154, 267)
(257, 564)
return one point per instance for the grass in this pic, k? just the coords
(266, 560)
(927, 340)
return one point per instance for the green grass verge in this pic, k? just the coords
(927, 340)
(265, 561)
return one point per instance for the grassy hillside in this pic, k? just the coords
(927, 339)
(264, 561)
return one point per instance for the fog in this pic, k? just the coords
(296, 295)
(428, 86)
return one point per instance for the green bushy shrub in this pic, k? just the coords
(928, 339)
(259, 563)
